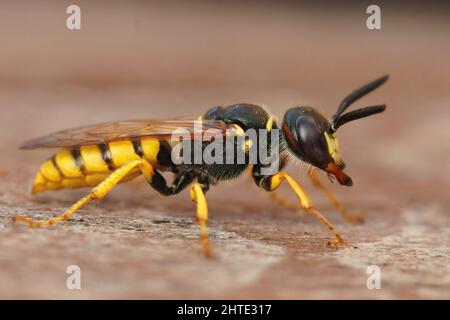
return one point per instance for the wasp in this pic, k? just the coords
(103, 155)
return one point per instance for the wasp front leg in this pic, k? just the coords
(317, 182)
(197, 193)
(272, 182)
(278, 198)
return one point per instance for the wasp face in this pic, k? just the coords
(306, 132)
(312, 137)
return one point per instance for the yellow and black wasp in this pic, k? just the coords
(100, 156)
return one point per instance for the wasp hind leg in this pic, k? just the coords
(317, 182)
(97, 193)
(270, 183)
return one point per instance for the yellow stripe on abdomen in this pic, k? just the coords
(90, 165)
(93, 160)
(122, 152)
(50, 172)
(49, 177)
(67, 164)
(150, 149)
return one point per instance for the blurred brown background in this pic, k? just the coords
(135, 59)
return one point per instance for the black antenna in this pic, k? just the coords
(355, 95)
(357, 114)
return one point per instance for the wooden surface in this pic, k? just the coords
(138, 244)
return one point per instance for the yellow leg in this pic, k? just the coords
(314, 175)
(278, 198)
(96, 193)
(305, 202)
(198, 196)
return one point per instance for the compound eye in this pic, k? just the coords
(312, 142)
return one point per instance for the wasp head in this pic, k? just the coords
(312, 137)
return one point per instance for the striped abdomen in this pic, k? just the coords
(89, 165)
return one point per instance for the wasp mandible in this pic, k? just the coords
(101, 156)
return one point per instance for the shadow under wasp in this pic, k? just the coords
(103, 155)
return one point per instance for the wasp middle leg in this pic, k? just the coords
(317, 182)
(272, 182)
(197, 193)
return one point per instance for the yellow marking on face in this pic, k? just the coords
(333, 147)
(93, 159)
(67, 164)
(122, 153)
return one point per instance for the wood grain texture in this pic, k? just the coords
(138, 244)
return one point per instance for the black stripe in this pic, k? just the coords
(56, 166)
(106, 155)
(138, 148)
(76, 154)
(164, 156)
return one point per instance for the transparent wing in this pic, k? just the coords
(127, 130)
